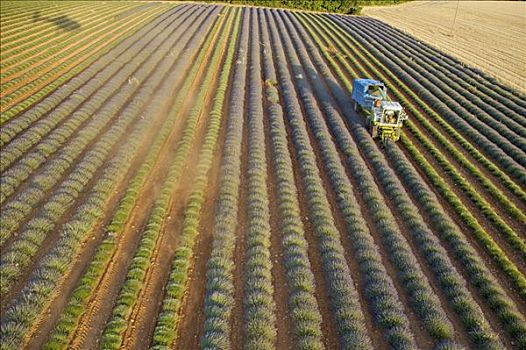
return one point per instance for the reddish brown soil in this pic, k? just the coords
(190, 328)
(475, 211)
(285, 328)
(504, 282)
(55, 307)
(481, 251)
(328, 323)
(53, 310)
(421, 337)
(143, 317)
(102, 301)
(57, 303)
(191, 325)
(51, 239)
(106, 292)
(374, 330)
(486, 224)
(238, 315)
(459, 147)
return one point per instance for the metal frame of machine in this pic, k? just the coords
(385, 118)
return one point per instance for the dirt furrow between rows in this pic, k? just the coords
(350, 124)
(192, 310)
(285, 328)
(93, 321)
(241, 229)
(375, 331)
(487, 311)
(453, 214)
(328, 324)
(42, 329)
(495, 270)
(458, 220)
(484, 221)
(142, 319)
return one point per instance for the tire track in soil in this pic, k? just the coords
(480, 250)
(115, 274)
(238, 315)
(142, 320)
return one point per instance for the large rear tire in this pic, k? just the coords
(397, 134)
(374, 131)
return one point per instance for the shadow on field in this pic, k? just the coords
(334, 91)
(62, 21)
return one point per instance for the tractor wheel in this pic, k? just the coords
(374, 131)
